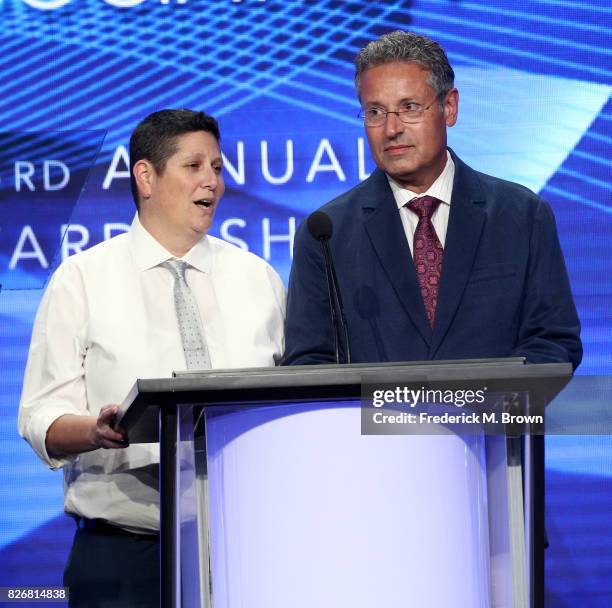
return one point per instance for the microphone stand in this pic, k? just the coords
(335, 300)
(321, 228)
(331, 294)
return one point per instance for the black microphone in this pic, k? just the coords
(321, 228)
(320, 225)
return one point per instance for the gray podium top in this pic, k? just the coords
(252, 386)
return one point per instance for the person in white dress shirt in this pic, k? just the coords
(107, 318)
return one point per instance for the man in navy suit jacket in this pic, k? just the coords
(501, 289)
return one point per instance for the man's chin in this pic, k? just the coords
(202, 226)
(404, 164)
(402, 172)
(198, 232)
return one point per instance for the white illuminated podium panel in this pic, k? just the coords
(272, 497)
(305, 511)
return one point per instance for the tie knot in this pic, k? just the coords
(424, 206)
(176, 267)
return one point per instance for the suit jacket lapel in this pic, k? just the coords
(465, 224)
(385, 230)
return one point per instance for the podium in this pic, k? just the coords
(271, 496)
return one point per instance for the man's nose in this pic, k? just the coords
(393, 125)
(210, 179)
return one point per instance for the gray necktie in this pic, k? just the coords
(188, 315)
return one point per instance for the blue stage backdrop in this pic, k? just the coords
(76, 76)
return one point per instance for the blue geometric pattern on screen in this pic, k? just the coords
(90, 65)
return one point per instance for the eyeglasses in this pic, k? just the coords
(410, 113)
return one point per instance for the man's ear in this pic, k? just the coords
(451, 107)
(144, 174)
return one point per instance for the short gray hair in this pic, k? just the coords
(402, 46)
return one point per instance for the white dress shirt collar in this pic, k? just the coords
(442, 188)
(148, 252)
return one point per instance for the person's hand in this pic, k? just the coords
(104, 436)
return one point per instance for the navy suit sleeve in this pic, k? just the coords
(549, 329)
(309, 334)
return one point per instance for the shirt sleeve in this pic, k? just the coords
(54, 381)
(280, 297)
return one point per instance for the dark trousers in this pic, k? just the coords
(112, 568)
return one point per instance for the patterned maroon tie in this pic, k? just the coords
(427, 253)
